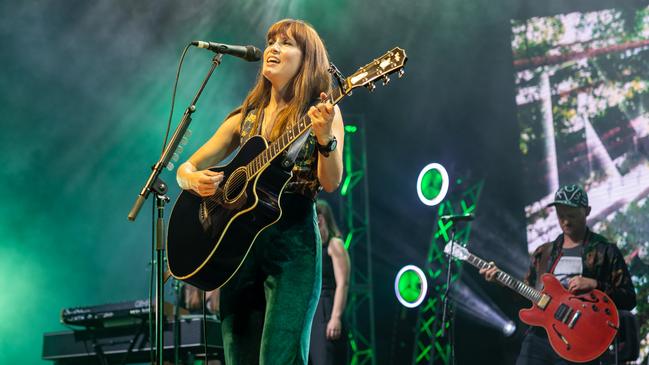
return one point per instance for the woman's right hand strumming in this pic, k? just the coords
(202, 182)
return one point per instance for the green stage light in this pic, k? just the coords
(410, 286)
(432, 184)
(351, 128)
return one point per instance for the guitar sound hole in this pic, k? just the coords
(235, 185)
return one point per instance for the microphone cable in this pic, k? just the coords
(173, 96)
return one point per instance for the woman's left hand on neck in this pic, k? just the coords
(322, 116)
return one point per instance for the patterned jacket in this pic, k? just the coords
(602, 261)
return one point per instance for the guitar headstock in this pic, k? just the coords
(456, 250)
(391, 62)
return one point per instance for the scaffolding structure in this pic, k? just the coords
(432, 345)
(354, 210)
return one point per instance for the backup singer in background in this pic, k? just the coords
(329, 335)
(267, 307)
(582, 261)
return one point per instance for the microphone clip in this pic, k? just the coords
(457, 218)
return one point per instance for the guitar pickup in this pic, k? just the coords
(574, 319)
(562, 313)
(543, 302)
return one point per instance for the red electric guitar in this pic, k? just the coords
(580, 327)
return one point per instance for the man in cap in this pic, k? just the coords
(582, 261)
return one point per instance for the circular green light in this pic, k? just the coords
(432, 184)
(410, 286)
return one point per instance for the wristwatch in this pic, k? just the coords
(329, 147)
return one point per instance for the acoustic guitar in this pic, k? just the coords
(209, 238)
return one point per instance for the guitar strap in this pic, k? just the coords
(294, 149)
(292, 152)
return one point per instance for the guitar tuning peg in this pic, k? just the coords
(175, 157)
(386, 79)
(370, 86)
(188, 133)
(401, 72)
(183, 141)
(170, 166)
(179, 149)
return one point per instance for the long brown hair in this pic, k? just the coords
(322, 207)
(312, 78)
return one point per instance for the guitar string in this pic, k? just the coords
(236, 183)
(526, 290)
(214, 201)
(211, 203)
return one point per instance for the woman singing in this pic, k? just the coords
(268, 306)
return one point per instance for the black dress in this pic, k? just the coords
(323, 351)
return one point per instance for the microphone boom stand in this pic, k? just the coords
(159, 187)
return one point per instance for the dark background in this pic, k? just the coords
(85, 91)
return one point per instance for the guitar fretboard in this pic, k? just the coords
(288, 137)
(507, 280)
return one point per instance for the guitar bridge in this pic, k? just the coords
(204, 215)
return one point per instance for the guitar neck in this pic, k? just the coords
(507, 280)
(288, 137)
(390, 62)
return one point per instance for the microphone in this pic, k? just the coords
(457, 217)
(248, 53)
